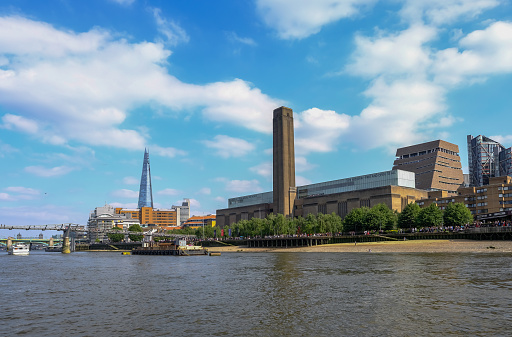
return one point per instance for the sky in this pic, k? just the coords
(86, 86)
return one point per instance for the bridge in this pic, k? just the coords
(69, 227)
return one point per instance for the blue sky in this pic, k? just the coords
(85, 86)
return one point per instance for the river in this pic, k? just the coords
(256, 294)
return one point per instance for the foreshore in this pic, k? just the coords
(409, 246)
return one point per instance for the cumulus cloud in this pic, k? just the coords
(48, 172)
(297, 19)
(131, 181)
(22, 190)
(439, 12)
(227, 147)
(67, 86)
(124, 193)
(233, 37)
(241, 186)
(481, 53)
(264, 169)
(169, 191)
(318, 130)
(205, 191)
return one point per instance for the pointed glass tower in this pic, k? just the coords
(145, 192)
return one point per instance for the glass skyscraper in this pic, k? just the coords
(487, 159)
(145, 192)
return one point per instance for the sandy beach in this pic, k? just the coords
(410, 246)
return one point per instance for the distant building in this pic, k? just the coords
(200, 221)
(105, 218)
(394, 188)
(436, 165)
(145, 191)
(182, 212)
(492, 202)
(487, 159)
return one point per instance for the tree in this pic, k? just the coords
(380, 217)
(135, 228)
(356, 219)
(409, 214)
(430, 216)
(457, 214)
(116, 237)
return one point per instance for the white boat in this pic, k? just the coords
(19, 249)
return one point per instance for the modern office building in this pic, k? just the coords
(492, 202)
(436, 164)
(145, 191)
(165, 218)
(394, 188)
(487, 159)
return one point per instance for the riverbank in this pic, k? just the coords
(409, 246)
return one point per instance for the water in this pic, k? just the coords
(256, 294)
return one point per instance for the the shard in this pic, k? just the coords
(145, 192)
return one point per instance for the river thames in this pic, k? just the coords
(257, 294)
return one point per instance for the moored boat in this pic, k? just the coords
(177, 248)
(19, 249)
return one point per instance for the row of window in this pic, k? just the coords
(505, 195)
(506, 188)
(481, 190)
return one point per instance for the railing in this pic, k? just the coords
(489, 229)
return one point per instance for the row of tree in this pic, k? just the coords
(379, 217)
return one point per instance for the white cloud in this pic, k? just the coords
(167, 151)
(124, 193)
(172, 32)
(73, 87)
(484, 52)
(318, 130)
(227, 147)
(302, 164)
(131, 205)
(297, 19)
(503, 140)
(169, 191)
(22, 190)
(220, 199)
(40, 215)
(48, 172)
(131, 181)
(6, 197)
(397, 54)
(205, 191)
(241, 186)
(264, 169)
(124, 2)
(301, 181)
(440, 12)
(233, 37)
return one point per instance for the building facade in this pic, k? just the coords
(436, 164)
(198, 221)
(490, 202)
(105, 218)
(487, 159)
(394, 188)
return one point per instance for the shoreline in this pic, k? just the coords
(410, 246)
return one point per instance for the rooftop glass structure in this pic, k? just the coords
(386, 178)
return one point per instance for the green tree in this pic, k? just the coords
(457, 214)
(430, 216)
(355, 221)
(115, 237)
(409, 214)
(380, 217)
(135, 228)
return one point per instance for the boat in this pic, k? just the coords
(19, 249)
(177, 248)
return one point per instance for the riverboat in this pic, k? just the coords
(176, 248)
(19, 249)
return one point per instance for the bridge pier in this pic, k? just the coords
(9, 243)
(66, 246)
(50, 244)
